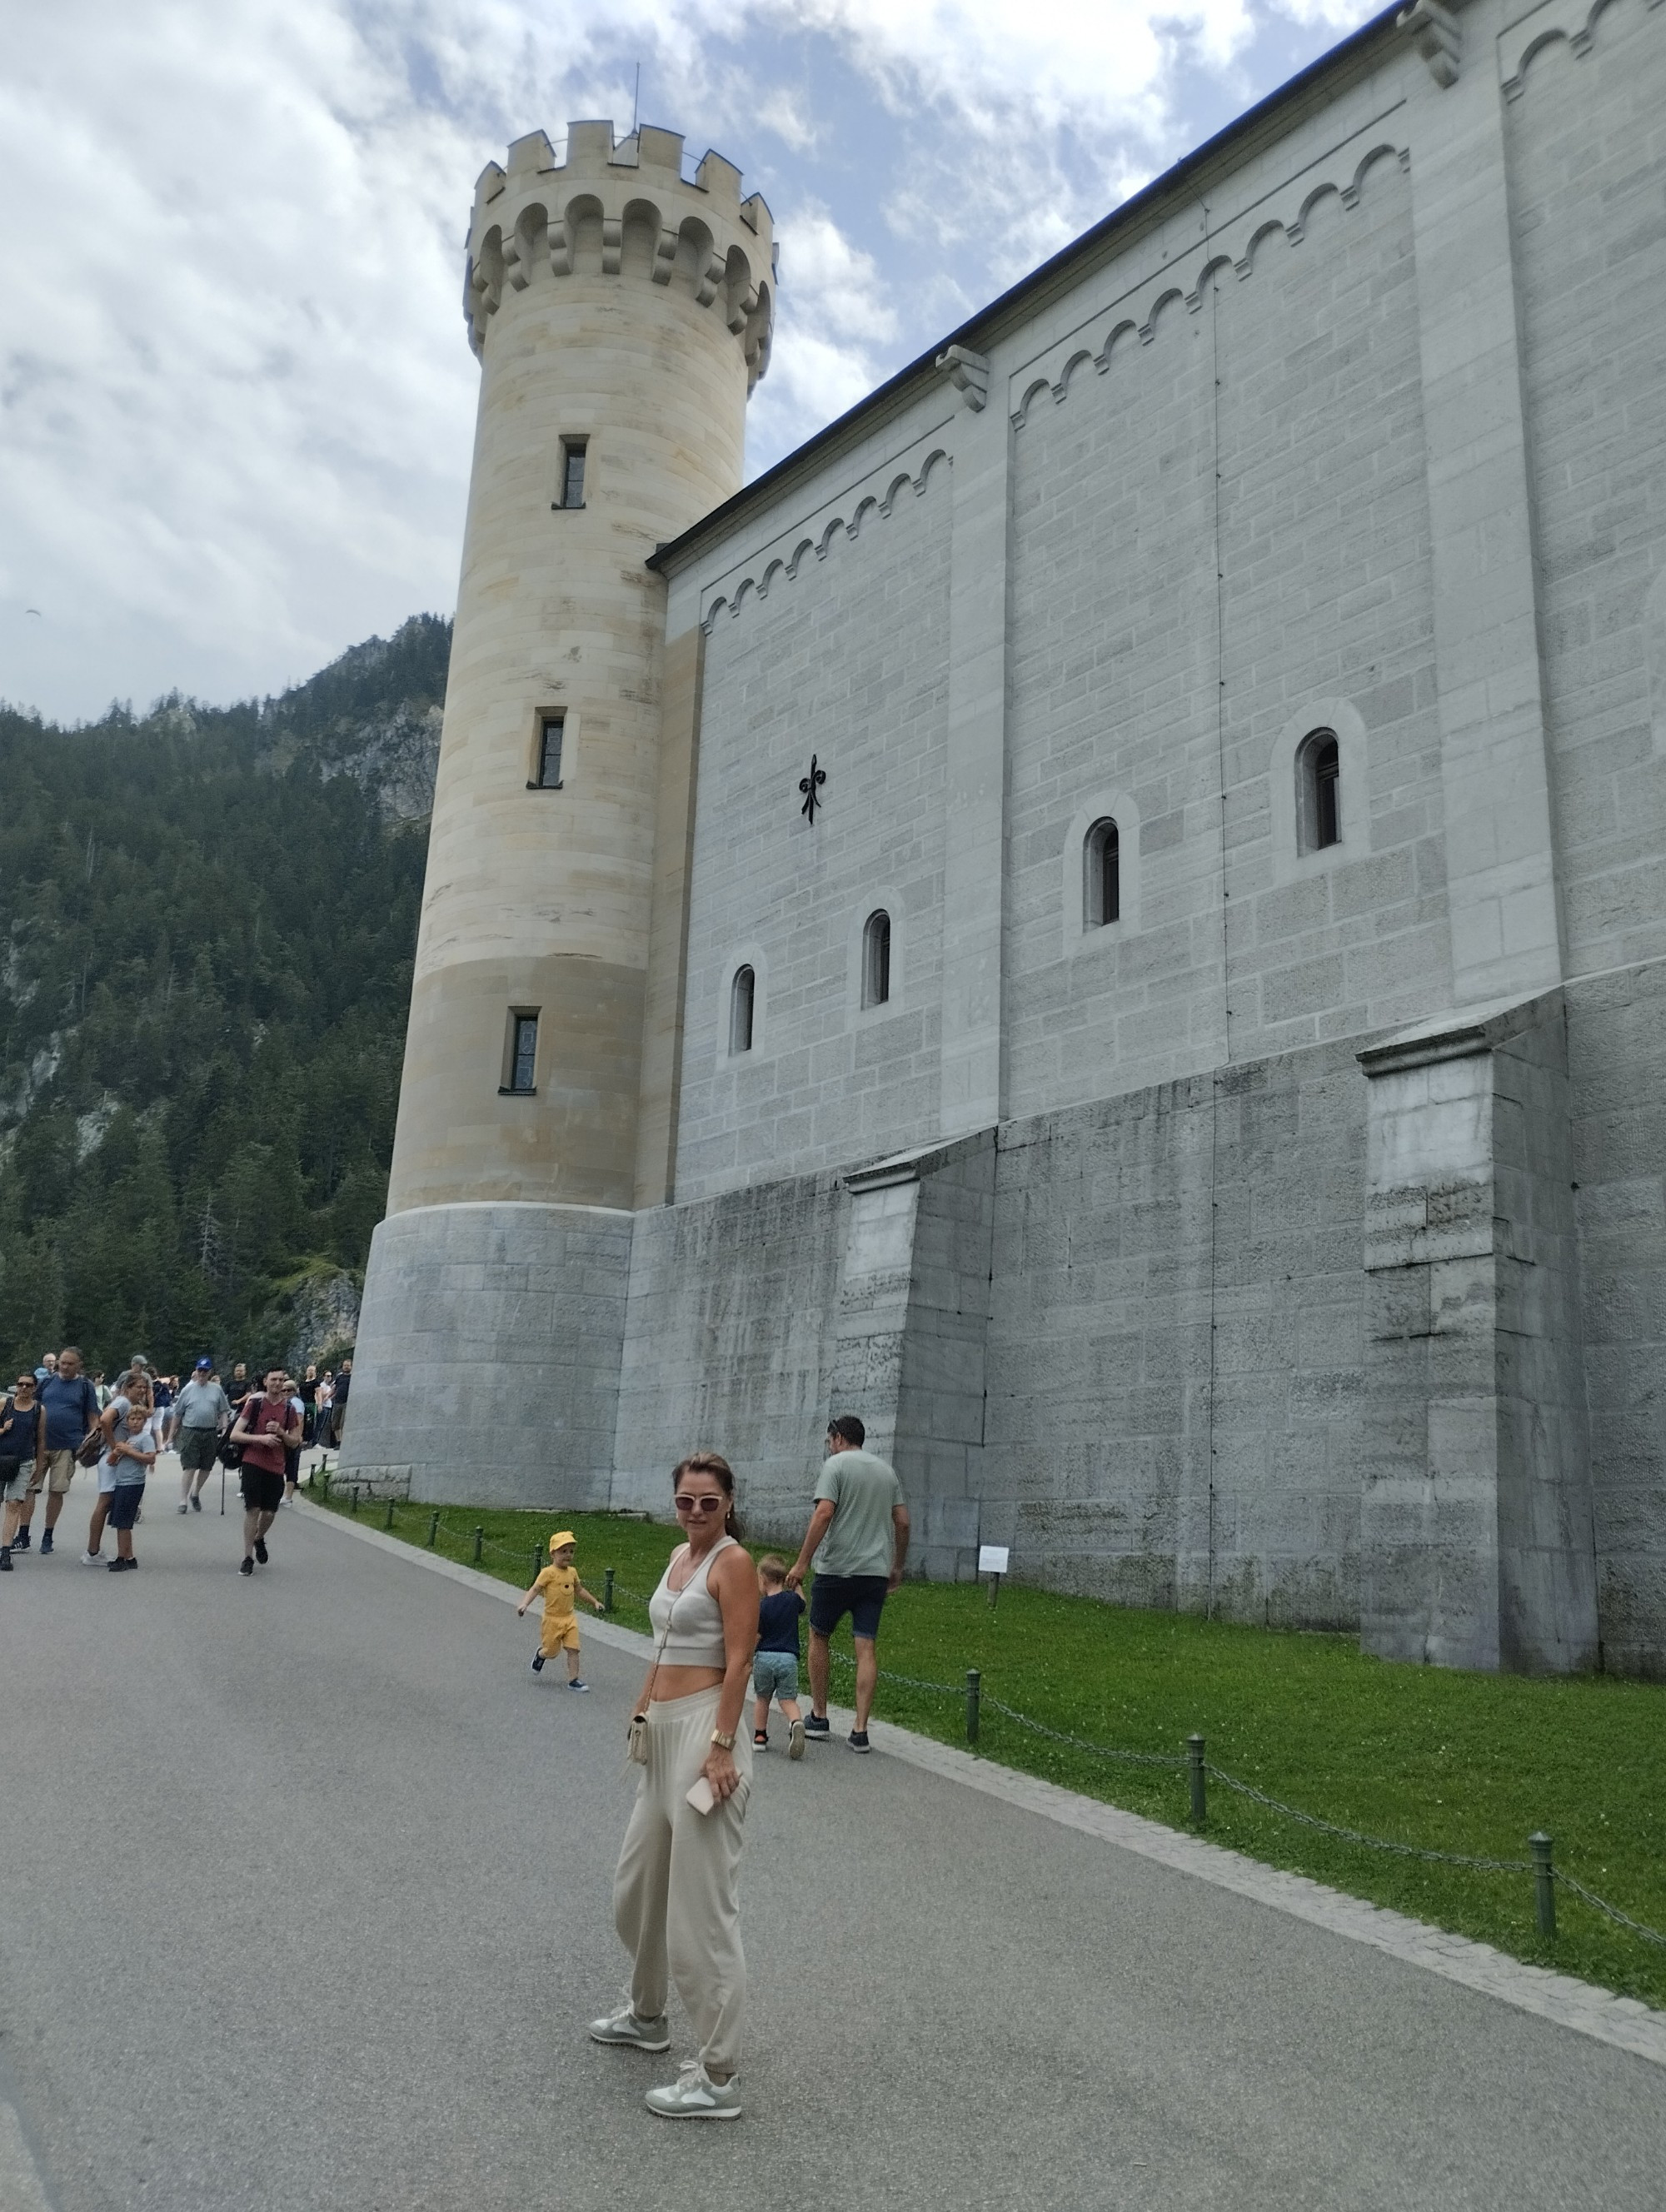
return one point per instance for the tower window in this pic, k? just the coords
(1102, 875)
(550, 728)
(742, 992)
(523, 1056)
(876, 959)
(1319, 791)
(572, 472)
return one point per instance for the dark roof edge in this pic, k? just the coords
(1126, 213)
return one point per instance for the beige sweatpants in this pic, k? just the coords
(677, 1892)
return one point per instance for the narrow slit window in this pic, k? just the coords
(572, 472)
(1320, 792)
(876, 959)
(523, 1064)
(550, 730)
(1102, 881)
(743, 994)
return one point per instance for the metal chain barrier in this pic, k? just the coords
(1081, 1743)
(1370, 1843)
(1649, 1935)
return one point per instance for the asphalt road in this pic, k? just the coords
(307, 1903)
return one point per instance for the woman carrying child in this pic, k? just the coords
(676, 1893)
(131, 1446)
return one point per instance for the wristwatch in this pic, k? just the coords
(723, 1742)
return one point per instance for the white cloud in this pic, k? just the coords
(235, 401)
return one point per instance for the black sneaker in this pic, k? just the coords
(195, 1502)
(247, 1567)
(20, 1542)
(817, 1730)
(5, 1559)
(45, 1542)
(538, 1662)
(260, 1550)
(858, 1739)
(120, 1567)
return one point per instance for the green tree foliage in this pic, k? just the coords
(207, 924)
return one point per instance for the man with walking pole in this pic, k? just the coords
(859, 1536)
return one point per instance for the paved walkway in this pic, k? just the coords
(308, 1903)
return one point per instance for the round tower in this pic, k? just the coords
(621, 313)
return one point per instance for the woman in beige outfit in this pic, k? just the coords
(676, 1893)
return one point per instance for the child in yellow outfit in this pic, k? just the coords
(559, 1585)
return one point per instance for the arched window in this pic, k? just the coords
(741, 993)
(1102, 875)
(1319, 791)
(876, 959)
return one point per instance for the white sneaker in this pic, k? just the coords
(795, 1740)
(624, 2027)
(92, 1558)
(695, 2096)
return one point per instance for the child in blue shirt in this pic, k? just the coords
(776, 1664)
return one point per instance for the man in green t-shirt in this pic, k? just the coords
(859, 1535)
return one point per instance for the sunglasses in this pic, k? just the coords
(699, 1504)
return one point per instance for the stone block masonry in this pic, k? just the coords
(1272, 1224)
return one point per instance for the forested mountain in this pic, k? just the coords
(207, 921)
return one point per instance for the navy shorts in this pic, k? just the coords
(861, 1596)
(125, 1502)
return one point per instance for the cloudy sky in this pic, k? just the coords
(235, 397)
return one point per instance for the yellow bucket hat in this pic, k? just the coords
(562, 1536)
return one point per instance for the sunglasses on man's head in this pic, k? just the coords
(698, 1504)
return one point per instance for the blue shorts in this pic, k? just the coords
(861, 1596)
(776, 1674)
(125, 1501)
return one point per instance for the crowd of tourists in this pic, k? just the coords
(58, 1419)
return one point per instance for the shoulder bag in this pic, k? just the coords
(90, 1450)
(637, 1734)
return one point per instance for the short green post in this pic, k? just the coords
(323, 1479)
(1544, 1882)
(974, 1701)
(607, 1590)
(479, 1539)
(433, 1529)
(1194, 1770)
(355, 1497)
(388, 1522)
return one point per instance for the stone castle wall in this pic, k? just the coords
(1293, 1248)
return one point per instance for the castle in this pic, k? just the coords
(1109, 914)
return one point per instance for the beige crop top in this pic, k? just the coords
(692, 1615)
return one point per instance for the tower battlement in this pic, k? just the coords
(622, 208)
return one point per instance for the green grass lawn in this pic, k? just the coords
(1458, 1762)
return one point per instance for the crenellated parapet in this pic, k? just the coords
(622, 209)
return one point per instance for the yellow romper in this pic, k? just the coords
(561, 1624)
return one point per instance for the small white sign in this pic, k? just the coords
(992, 1559)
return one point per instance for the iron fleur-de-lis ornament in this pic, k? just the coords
(810, 786)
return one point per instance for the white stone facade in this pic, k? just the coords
(1293, 1245)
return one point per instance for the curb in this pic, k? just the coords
(1624, 2023)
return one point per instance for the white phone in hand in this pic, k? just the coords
(703, 1796)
